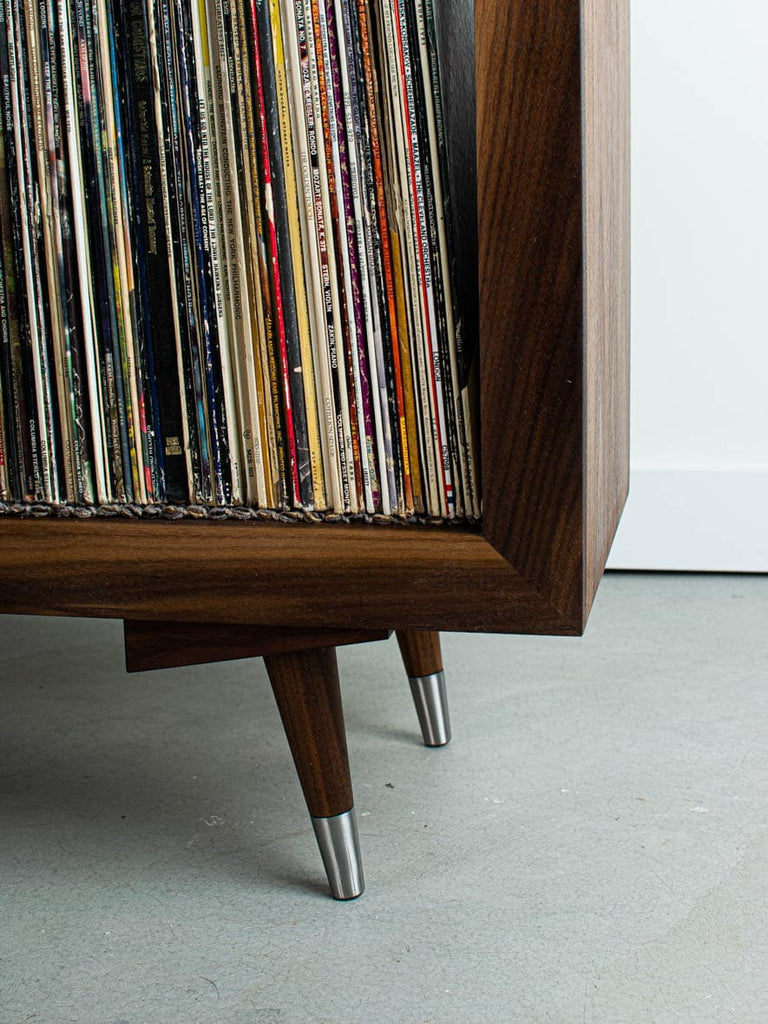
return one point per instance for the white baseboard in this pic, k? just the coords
(696, 521)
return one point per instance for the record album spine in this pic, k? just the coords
(338, 256)
(182, 258)
(405, 251)
(96, 417)
(74, 464)
(277, 458)
(329, 415)
(393, 322)
(87, 445)
(132, 208)
(51, 337)
(94, 321)
(282, 245)
(433, 244)
(102, 266)
(10, 475)
(423, 256)
(313, 84)
(158, 327)
(465, 448)
(214, 234)
(375, 335)
(118, 217)
(194, 137)
(294, 249)
(461, 273)
(287, 362)
(376, 492)
(242, 306)
(16, 378)
(36, 335)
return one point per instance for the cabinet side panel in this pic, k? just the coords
(606, 227)
(531, 289)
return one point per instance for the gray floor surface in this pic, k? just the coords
(592, 847)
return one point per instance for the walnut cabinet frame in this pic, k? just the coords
(552, 155)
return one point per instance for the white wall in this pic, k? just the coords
(699, 493)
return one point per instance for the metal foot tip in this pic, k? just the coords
(340, 849)
(431, 702)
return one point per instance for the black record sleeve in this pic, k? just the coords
(151, 232)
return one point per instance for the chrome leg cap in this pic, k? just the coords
(431, 702)
(340, 850)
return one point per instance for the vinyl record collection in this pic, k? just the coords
(227, 258)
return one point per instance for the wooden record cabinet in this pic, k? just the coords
(552, 154)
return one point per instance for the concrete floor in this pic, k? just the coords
(592, 847)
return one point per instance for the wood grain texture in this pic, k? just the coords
(531, 288)
(421, 652)
(306, 688)
(605, 76)
(153, 645)
(269, 574)
(553, 370)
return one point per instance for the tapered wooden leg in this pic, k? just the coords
(424, 664)
(306, 687)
